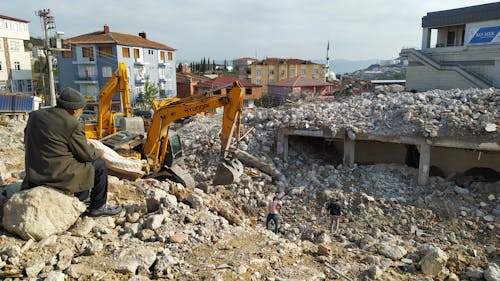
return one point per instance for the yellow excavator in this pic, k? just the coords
(105, 117)
(161, 147)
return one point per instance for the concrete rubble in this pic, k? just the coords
(392, 229)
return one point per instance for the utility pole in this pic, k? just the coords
(48, 23)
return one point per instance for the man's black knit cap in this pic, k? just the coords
(71, 99)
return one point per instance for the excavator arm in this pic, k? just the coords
(105, 118)
(156, 143)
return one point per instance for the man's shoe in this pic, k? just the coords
(104, 210)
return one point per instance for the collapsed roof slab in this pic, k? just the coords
(423, 144)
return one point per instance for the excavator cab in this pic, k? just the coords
(174, 150)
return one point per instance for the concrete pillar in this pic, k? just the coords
(426, 38)
(349, 152)
(425, 162)
(282, 145)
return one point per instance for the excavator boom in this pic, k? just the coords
(156, 144)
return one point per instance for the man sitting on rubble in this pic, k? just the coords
(57, 154)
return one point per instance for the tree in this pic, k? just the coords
(150, 92)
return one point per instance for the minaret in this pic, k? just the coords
(326, 67)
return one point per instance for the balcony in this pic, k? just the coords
(84, 61)
(140, 62)
(86, 79)
(21, 74)
(140, 79)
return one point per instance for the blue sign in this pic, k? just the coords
(485, 35)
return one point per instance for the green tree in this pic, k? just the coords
(150, 93)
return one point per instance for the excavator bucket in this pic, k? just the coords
(228, 171)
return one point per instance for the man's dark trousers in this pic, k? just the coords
(98, 194)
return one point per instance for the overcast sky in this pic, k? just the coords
(229, 29)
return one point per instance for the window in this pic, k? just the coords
(14, 45)
(316, 71)
(282, 73)
(258, 72)
(107, 71)
(151, 52)
(125, 52)
(169, 55)
(302, 72)
(258, 82)
(292, 72)
(67, 54)
(136, 53)
(17, 65)
(271, 71)
(162, 56)
(162, 72)
(105, 52)
(88, 52)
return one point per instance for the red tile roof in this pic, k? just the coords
(224, 81)
(278, 61)
(14, 19)
(245, 59)
(300, 81)
(102, 37)
(184, 77)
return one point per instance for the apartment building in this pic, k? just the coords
(466, 51)
(15, 62)
(95, 56)
(271, 70)
(242, 67)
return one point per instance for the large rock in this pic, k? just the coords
(434, 261)
(393, 252)
(492, 273)
(40, 212)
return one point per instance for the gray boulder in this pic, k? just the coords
(40, 212)
(492, 273)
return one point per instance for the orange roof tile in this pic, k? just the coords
(245, 59)
(102, 37)
(224, 81)
(278, 61)
(184, 77)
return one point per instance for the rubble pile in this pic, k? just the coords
(391, 228)
(435, 113)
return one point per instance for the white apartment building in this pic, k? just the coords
(15, 62)
(466, 51)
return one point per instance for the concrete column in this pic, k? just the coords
(349, 152)
(425, 162)
(282, 145)
(426, 38)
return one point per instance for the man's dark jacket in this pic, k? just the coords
(57, 153)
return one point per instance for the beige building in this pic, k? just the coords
(15, 62)
(465, 54)
(271, 70)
